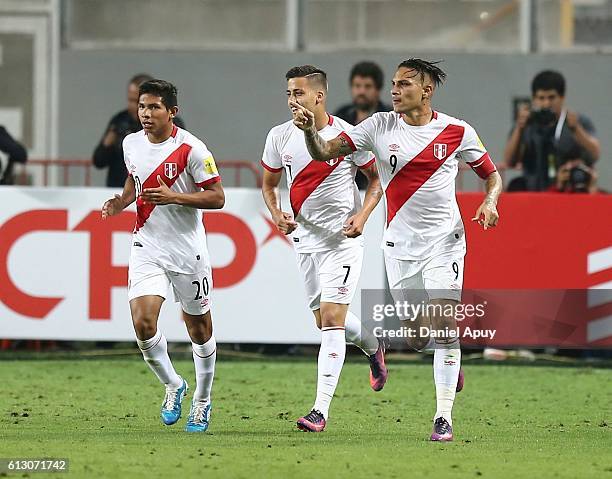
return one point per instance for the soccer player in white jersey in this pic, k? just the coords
(172, 176)
(417, 152)
(326, 221)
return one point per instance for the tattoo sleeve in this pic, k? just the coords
(493, 187)
(322, 150)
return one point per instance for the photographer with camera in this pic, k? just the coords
(575, 177)
(547, 135)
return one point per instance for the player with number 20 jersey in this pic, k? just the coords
(172, 177)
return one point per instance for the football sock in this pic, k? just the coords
(359, 335)
(204, 358)
(446, 365)
(155, 353)
(331, 359)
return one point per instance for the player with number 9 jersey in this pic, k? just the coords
(418, 151)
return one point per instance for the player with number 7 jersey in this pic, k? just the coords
(417, 152)
(172, 177)
(326, 221)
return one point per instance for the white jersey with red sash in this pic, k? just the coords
(323, 194)
(417, 166)
(172, 235)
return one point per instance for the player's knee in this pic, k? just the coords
(417, 343)
(145, 326)
(331, 318)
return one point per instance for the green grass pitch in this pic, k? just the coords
(510, 421)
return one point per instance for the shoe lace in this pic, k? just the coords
(170, 400)
(198, 410)
(442, 425)
(314, 416)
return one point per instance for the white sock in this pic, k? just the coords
(155, 353)
(331, 359)
(204, 358)
(446, 365)
(359, 335)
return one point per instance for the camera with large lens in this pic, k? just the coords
(542, 117)
(579, 179)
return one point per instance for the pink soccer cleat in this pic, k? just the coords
(378, 370)
(442, 430)
(460, 381)
(311, 422)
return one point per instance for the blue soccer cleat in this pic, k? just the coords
(171, 408)
(199, 417)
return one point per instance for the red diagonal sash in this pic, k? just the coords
(416, 172)
(178, 156)
(308, 180)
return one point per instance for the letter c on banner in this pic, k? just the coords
(245, 245)
(19, 225)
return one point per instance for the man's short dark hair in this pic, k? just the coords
(165, 90)
(311, 72)
(368, 70)
(424, 67)
(140, 78)
(548, 80)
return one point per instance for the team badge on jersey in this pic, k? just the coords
(170, 170)
(439, 150)
(335, 161)
(209, 166)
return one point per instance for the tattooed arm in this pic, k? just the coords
(318, 148)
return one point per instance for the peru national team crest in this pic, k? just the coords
(170, 170)
(439, 150)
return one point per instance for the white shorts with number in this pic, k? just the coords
(146, 277)
(331, 276)
(439, 276)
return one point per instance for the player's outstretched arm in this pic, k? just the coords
(211, 197)
(318, 148)
(355, 224)
(118, 203)
(269, 189)
(487, 215)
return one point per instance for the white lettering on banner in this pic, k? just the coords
(63, 271)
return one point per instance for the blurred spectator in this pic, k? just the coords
(16, 154)
(575, 177)
(109, 152)
(547, 135)
(366, 82)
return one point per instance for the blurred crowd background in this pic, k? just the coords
(66, 67)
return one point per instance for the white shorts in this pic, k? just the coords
(439, 276)
(146, 278)
(331, 276)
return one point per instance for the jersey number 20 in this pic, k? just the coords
(201, 289)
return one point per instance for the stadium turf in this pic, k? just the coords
(510, 421)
